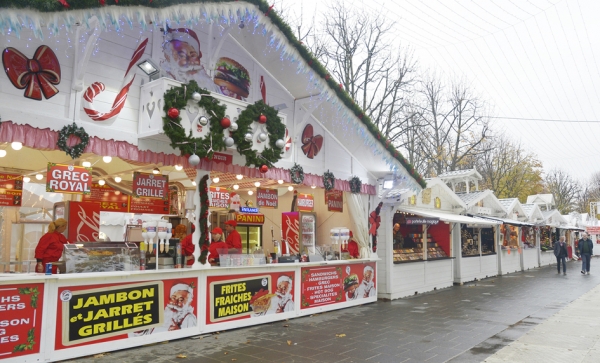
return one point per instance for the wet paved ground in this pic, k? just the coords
(461, 324)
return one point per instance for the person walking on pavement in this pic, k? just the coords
(585, 247)
(560, 251)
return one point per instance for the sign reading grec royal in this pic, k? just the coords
(418, 220)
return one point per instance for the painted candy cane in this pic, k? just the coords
(97, 87)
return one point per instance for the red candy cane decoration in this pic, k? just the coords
(97, 87)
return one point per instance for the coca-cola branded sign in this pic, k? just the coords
(267, 198)
(150, 186)
(334, 200)
(305, 202)
(84, 221)
(68, 179)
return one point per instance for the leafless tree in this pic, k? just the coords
(508, 168)
(590, 192)
(565, 189)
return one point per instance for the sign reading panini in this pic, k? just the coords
(150, 185)
(68, 179)
(305, 202)
(95, 314)
(267, 198)
(334, 200)
(254, 218)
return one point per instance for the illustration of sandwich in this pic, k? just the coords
(232, 78)
(261, 301)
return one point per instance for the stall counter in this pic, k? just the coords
(72, 315)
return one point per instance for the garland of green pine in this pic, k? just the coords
(265, 8)
(204, 242)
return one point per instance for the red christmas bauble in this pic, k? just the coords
(264, 168)
(173, 112)
(262, 119)
(225, 122)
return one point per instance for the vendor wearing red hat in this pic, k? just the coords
(353, 247)
(215, 245)
(188, 247)
(234, 240)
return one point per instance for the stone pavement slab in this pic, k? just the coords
(466, 323)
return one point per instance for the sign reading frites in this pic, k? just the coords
(305, 202)
(267, 198)
(150, 186)
(68, 179)
(219, 197)
(334, 200)
(11, 189)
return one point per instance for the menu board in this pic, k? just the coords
(110, 200)
(148, 206)
(21, 319)
(11, 189)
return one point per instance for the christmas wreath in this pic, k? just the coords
(328, 180)
(63, 135)
(297, 174)
(203, 219)
(177, 98)
(355, 184)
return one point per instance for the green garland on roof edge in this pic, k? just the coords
(263, 6)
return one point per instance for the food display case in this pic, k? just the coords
(101, 257)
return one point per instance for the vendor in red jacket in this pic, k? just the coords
(353, 247)
(50, 246)
(234, 240)
(188, 247)
(216, 244)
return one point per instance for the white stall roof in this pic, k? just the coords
(447, 217)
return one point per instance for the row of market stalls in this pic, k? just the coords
(452, 232)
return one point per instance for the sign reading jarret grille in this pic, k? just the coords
(93, 314)
(267, 198)
(68, 179)
(429, 221)
(150, 186)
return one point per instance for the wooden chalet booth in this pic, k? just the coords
(220, 99)
(535, 216)
(528, 238)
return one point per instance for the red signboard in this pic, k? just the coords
(593, 229)
(336, 284)
(110, 200)
(305, 202)
(91, 314)
(267, 198)
(21, 328)
(226, 159)
(11, 189)
(150, 186)
(290, 232)
(334, 200)
(68, 179)
(252, 218)
(219, 197)
(148, 206)
(246, 296)
(84, 222)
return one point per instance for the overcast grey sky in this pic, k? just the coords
(533, 61)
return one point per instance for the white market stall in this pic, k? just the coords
(181, 93)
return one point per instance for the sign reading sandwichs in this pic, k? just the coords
(150, 185)
(68, 179)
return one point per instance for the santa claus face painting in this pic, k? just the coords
(183, 53)
(283, 287)
(179, 299)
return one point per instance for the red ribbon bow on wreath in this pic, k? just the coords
(37, 75)
(311, 145)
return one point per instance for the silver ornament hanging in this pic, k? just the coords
(229, 141)
(262, 136)
(248, 137)
(280, 143)
(194, 160)
(203, 121)
(233, 127)
(196, 96)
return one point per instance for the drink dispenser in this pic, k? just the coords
(151, 232)
(162, 235)
(344, 237)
